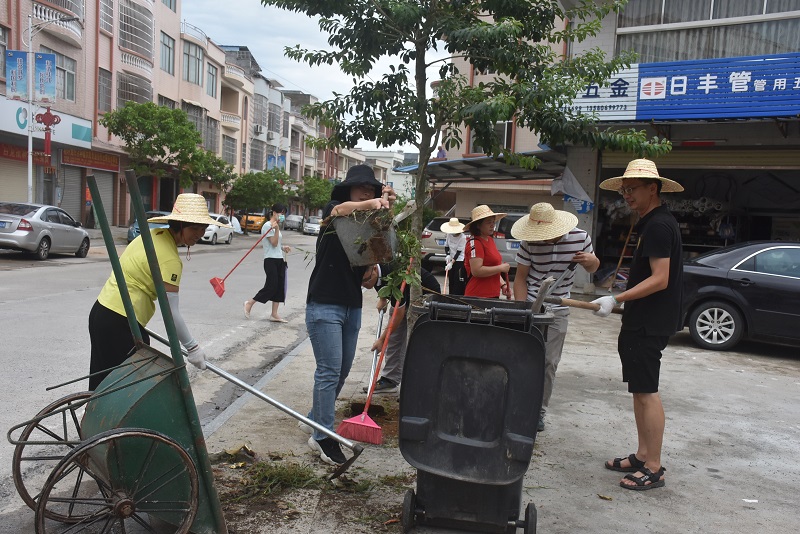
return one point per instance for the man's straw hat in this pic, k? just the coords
(453, 226)
(641, 168)
(483, 211)
(543, 223)
(189, 208)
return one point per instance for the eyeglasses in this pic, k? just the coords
(629, 190)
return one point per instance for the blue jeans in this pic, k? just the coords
(333, 330)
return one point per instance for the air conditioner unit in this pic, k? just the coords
(258, 129)
(271, 135)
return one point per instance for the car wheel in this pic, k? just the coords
(214, 239)
(83, 251)
(230, 239)
(43, 250)
(716, 325)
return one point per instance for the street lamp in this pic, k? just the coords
(31, 68)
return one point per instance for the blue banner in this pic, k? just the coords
(44, 85)
(724, 88)
(16, 75)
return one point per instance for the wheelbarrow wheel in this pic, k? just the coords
(120, 480)
(530, 518)
(52, 434)
(408, 517)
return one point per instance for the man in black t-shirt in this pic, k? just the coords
(652, 314)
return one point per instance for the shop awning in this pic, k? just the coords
(486, 168)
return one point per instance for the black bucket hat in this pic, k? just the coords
(357, 175)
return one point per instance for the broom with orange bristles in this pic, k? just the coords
(362, 427)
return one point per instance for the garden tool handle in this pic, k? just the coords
(572, 303)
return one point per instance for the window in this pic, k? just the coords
(244, 156)
(136, 31)
(167, 54)
(3, 45)
(258, 152)
(699, 35)
(211, 137)
(780, 261)
(285, 124)
(211, 81)
(192, 63)
(274, 124)
(503, 131)
(65, 75)
(229, 149)
(195, 116)
(107, 15)
(133, 88)
(260, 107)
(170, 4)
(167, 102)
(104, 91)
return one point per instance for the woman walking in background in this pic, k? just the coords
(274, 266)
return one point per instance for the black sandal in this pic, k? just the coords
(616, 464)
(656, 480)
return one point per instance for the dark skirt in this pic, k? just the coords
(111, 339)
(274, 286)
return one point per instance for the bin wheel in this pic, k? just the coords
(112, 481)
(530, 518)
(408, 518)
(55, 426)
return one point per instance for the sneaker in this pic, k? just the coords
(305, 428)
(383, 386)
(328, 450)
(540, 426)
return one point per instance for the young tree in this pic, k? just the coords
(314, 193)
(257, 190)
(516, 39)
(161, 141)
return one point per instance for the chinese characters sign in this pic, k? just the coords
(44, 82)
(744, 87)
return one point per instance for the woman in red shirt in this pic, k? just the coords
(485, 263)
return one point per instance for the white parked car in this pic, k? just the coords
(293, 222)
(311, 226)
(216, 233)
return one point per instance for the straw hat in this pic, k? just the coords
(453, 226)
(189, 208)
(641, 168)
(483, 211)
(543, 223)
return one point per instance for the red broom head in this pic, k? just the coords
(218, 285)
(361, 428)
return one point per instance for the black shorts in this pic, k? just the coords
(641, 359)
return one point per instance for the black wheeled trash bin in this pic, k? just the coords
(469, 406)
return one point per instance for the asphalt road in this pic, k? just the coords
(44, 308)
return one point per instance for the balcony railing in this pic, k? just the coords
(51, 16)
(136, 61)
(194, 31)
(230, 120)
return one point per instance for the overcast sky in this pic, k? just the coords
(266, 31)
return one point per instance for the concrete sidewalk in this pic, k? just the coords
(731, 444)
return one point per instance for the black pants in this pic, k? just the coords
(112, 341)
(274, 286)
(457, 279)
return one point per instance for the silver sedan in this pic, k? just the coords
(41, 229)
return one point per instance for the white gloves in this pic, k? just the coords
(448, 258)
(606, 304)
(197, 357)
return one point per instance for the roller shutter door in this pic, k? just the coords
(14, 181)
(72, 192)
(105, 183)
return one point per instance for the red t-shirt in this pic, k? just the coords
(488, 286)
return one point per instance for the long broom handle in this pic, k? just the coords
(375, 352)
(389, 329)
(243, 257)
(561, 301)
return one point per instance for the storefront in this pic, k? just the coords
(735, 135)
